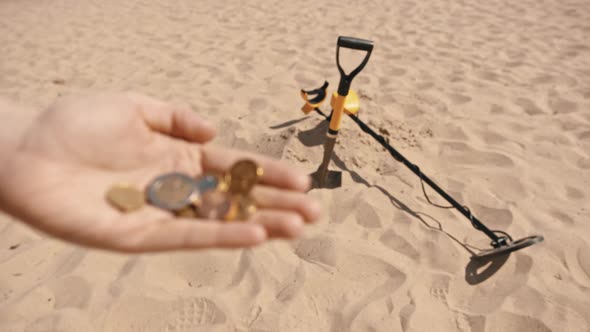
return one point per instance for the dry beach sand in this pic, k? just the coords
(490, 98)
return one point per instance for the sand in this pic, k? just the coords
(490, 98)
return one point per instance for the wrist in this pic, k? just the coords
(15, 120)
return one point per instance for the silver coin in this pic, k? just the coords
(172, 191)
(207, 182)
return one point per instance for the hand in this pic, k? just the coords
(75, 150)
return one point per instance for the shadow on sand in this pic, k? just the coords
(476, 271)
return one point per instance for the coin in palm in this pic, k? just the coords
(246, 207)
(172, 191)
(215, 205)
(125, 197)
(243, 175)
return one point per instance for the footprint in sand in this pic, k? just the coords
(319, 250)
(371, 206)
(173, 74)
(398, 243)
(366, 215)
(412, 111)
(394, 71)
(543, 79)
(431, 294)
(218, 270)
(492, 137)
(470, 323)
(148, 314)
(445, 45)
(451, 131)
(561, 106)
(459, 99)
(232, 135)
(274, 145)
(584, 93)
(244, 67)
(583, 163)
(584, 136)
(292, 285)
(425, 85)
(462, 154)
(369, 279)
(345, 315)
(70, 292)
(514, 64)
(249, 282)
(562, 313)
(488, 297)
(528, 106)
(574, 193)
(562, 217)
(488, 76)
(257, 104)
(117, 285)
(188, 314)
(440, 253)
(439, 289)
(286, 53)
(495, 218)
(62, 320)
(305, 81)
(345, 205)
(393, 56)
(142, 312)
(386, 99)
(405, 315)
(384, 82)
(510, 322)
(584, 259)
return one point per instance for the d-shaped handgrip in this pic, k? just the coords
(355, 44)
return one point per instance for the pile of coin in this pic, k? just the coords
(210, 196)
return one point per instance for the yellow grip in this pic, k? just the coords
(307, 108)
(337, 111)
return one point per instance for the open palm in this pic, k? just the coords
(76, 149)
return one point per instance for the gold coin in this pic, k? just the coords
(246, 207)
(214, 205)
(223, 184)
(172, 191)
(125, 197)
(243, 175)
(233, 212)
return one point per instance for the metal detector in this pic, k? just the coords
(345, 101)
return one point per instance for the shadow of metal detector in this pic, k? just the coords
(345, 101)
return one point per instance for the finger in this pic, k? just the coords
(182, 234)
(272, 198)
(173, 120)
(279, 223)
(276, 172)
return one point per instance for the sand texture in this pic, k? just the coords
(490, 98)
